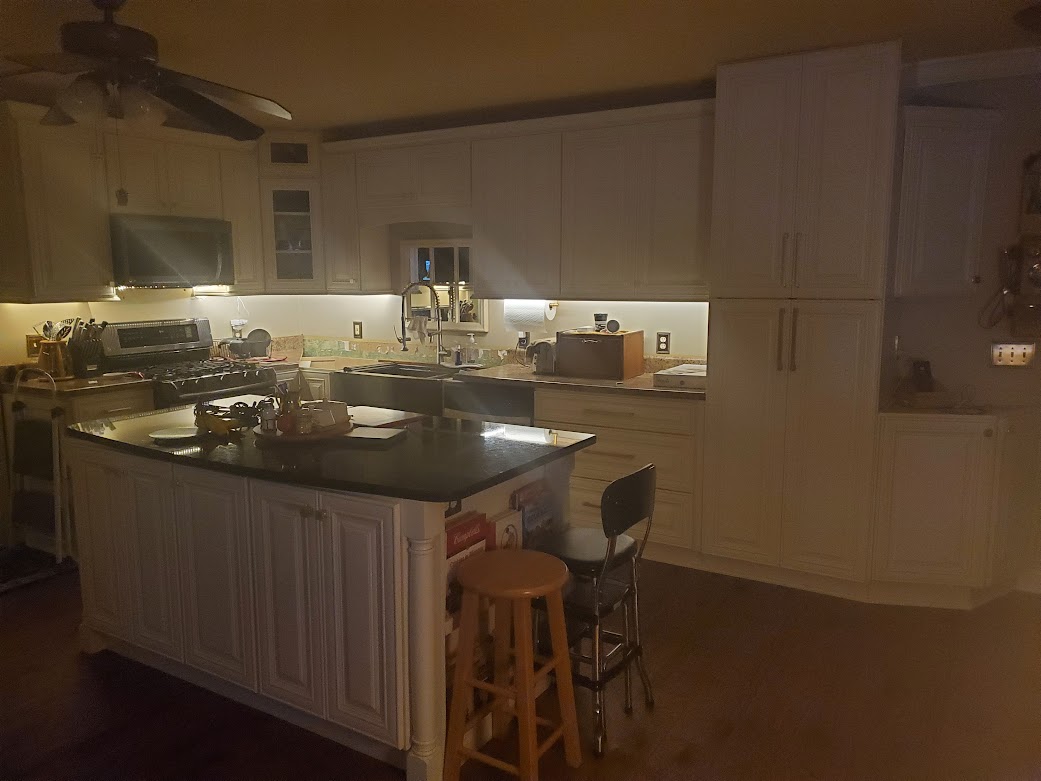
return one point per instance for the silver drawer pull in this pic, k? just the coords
(611, 454)
(618, 413)
(117, 409)
(591, 505)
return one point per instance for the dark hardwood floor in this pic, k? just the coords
(752, 682)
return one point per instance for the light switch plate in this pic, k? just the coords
(358, 329)
(663, 344)
(1011, 353)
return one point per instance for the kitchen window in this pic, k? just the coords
(446, 264)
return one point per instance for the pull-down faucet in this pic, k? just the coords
(437, 316)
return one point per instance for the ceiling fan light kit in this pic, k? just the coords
(119, 75)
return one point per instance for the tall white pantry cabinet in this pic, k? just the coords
(801, 205)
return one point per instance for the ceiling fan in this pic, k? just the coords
(119, 75)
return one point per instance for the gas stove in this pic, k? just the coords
(174, 354)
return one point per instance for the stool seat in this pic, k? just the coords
(512, 574)
(583, 550)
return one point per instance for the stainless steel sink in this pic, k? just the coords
(403, 386)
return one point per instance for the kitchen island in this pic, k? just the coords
(306, 581)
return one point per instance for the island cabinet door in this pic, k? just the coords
(216, 591)
(287, 570)
(155, 599)
(98, 496)
(364, 619)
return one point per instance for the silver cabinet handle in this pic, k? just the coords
(795, 329)
(611, 454)
(784, 258)
(591, 505)
(780, 339)
(795, 261)
(118, 410)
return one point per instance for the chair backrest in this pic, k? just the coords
(628, 500)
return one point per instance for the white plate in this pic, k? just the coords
(175, 434)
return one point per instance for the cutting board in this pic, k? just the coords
(377, 417)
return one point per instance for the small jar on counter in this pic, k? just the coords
(305, 420)
(268, 418)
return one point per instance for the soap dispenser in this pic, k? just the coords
(472, 353)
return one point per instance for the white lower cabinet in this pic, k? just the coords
(933, 517)
(287, 570)
(151, 535)
(214, 562)
(364, 633)
(789, 433)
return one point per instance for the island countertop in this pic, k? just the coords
(437, 460)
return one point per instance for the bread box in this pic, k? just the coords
(600, 355)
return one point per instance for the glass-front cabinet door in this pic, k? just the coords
(446, 265)
(293, 236)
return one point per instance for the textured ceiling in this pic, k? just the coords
(366, 64)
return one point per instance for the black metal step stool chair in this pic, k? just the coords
(605, 567)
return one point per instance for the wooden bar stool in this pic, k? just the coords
(511, 579)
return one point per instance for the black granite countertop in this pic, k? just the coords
(438, 459)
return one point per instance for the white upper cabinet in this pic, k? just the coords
(54, 243)
(636, 209)
(804, 158)
(290, 154)
(942, 195)
(149, 175)
(240, 192)
(429, 175)
(516, 195)
(294, 261)
(340, 201)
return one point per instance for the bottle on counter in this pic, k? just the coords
(472, 353)
(457, 355)
(268, 417)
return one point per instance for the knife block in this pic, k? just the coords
(600, 355)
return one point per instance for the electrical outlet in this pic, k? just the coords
(1011, 353)
(358, 329)
(32, 345)
(663, 346)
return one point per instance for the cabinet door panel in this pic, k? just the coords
(942, 194)
(363, 653)
(599, 230)
(846, 142)
(753, 207)
(287, 566)
(674, 208)
(829, 441)
(933, 500)
(386, 177)
(155, 604)
(293, 249)
(675, 522)
(340, 200)
(98, 495)
(217, 595)
(68, 217)
(744, 430)
(240, 193)
(517, 216)
(443, 174)
(136, 165)
(193, 180)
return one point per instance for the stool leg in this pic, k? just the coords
(599, 718)
(503, 644)
(648, 693)
(525, 688)
(629, 662)
(462, 692)
(565, 685)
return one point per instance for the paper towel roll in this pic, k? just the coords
(524, 314)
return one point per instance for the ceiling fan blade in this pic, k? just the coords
(222, 92)
(56, 62)
(1030, 17)
(212, 114)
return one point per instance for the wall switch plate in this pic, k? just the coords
(358, 329)
(1011, 353)
(663, 344)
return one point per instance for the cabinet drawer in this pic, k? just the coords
(578, 409)
(107, 405)
(673, 522)
(618, 453)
